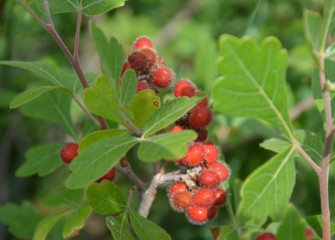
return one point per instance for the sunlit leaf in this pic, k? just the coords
(119, 226)
(45, 225)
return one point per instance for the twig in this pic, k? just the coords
(132, 176)
(149, 195)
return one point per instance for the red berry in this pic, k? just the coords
(202, 134)
(203, 102)
(141, 85)
(200, 117)
(209, 179)
(266, 236)
(212, 213)
(181, 200)
(142, 42)
(125, 67)
(180, 162)
(69, 152)
(309, 234)
(184, 88)
(222, 170)
(204, 197)
(177, 187)
(197, 215)
(139, 62)
(176, 128)
(110, 175)
(150, 55)
(211, 152)
(163, 77)
(194, 155)
(220, 197)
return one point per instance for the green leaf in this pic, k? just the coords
(146, 229)
(42, 159)
(276, 145)
(64, 197)
(98, 160)
(6, 96)
(145, 103)
(21, 220)
(93, 137)
(45, 225)
(45, 71)
(30, 94)
(169, 113)
(228, 233)
(253, 81)
(106, 198)
(111, 55)
(128, 88)
(76, 220)
(163, 146)
(315, 222)
(272, 183)
(119, 226)
(100, 99)
(292, 227)
(53, 106)
(312, 144)
(313, 28)
(88, 7)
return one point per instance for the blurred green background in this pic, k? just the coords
(186, 35)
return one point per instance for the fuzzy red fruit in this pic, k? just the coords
(212, 213)
(163, 77)
(142, 42)
(184, 88)
(309, 234)
(150, 55)
(176, 128)
(202, 103)
(142, 85)
(125, 67)
(200, 117)
(202, 134)
(209, 179)
(139, 62)
(211, 152)
(110, 175)
(181, 200)
(204, 197)
(69, 152)
(194, 155)
(177, 187)
(197, 215)
(222, 170)
(220, 197)
(266, 236)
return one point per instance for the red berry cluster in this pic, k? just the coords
(199, 200)
(149, 66)
(70, 151)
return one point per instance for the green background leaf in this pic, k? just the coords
(169, 113)
(106, 198)
(146, 229)
(21, 220)
(267, 190)
(168, 146)
(76, 220)
(45, 225)
(313, 28)
(292, 227)
(42, 159)
(128, 87)
(253, 83)
(53, 106)
(119, 226)
(145, 103)
(64, 197)
(98, 160)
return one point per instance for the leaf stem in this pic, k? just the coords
(130, 125)
(302, 152)
(324, 173)
(88, 113)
